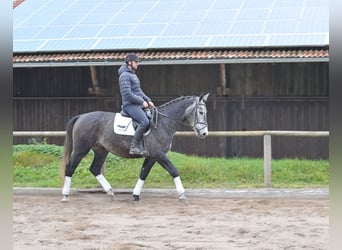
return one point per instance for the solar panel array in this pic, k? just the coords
(79, 25)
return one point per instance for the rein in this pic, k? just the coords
(156, 113)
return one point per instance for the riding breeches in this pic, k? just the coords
(138, 115)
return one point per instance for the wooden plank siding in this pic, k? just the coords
(263, 96)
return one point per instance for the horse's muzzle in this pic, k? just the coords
(201, 132)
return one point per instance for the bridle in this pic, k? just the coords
(156, 113)
(196, 120)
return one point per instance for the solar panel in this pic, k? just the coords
(246, 28)
(147, 29)
(141, 6)
(122, 43)
(68, 44)
(52, 32)
(258, 4)
(38, 19)
(213, 28)
(282, 26)
(313, 26)
(315, 12)
(108, 8)
(139, 24)
(297, 39)
(220, 15)
(252, 14)
(67, 19)
(83, 31)
(191, 5)
(127, 17)
(285, 13)
(167, 5)
(26, 46)
(288, 3)
(157, 17)
(227, 4)
(25, 32)
(180, 29)
(180, 42)
(96, 18)
(189, 16)
(121, 30)
(237, 41)
(322, 3)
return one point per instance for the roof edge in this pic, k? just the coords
(16, 3)
(179, 56)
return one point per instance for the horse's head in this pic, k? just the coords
(196, 116)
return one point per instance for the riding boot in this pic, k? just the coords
(136, 145)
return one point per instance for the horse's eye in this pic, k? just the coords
(201, 112)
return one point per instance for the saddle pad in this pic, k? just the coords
(123, 125)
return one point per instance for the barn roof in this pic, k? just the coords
(169, 30)
(172, 57)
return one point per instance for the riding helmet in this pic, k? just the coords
(132, 57)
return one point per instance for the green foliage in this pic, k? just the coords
(37, 165)
(40, 149)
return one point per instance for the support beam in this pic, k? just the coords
(267, 160)
(222, 90)
(96, 89)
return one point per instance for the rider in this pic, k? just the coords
(134, 100)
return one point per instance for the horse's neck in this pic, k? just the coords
(171, 115)
(176, 109)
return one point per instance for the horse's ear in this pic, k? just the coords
(204, 97)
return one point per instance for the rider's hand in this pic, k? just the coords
(151, 104)
(145, 104)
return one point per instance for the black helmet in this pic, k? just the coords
(132, 57)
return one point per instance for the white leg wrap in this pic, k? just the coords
(66, 186)
(104, 183)
(138, 187)
(179, 185)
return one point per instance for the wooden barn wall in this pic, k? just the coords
(280, 96)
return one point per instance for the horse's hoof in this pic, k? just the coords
(136, 199)
(65, 198)
(111, 193)
(182, 198)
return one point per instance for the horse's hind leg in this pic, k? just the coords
(100, 155)
(145, 170)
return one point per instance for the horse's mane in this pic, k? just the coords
(181, 98)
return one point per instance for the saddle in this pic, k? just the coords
(125, 125)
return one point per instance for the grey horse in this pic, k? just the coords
(94, 131)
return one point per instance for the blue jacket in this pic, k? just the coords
(131, 92)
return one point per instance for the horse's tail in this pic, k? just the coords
(67, 146)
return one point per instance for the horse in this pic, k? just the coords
(94, 131)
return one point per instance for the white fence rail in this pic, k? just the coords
(265, 133)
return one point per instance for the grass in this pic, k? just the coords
(37, 165)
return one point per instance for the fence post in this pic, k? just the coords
(267, 160)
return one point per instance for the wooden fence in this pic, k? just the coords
(265, 133)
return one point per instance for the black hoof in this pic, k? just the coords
(136, 198)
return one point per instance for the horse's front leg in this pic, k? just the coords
(145, 170)
(167, 164)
